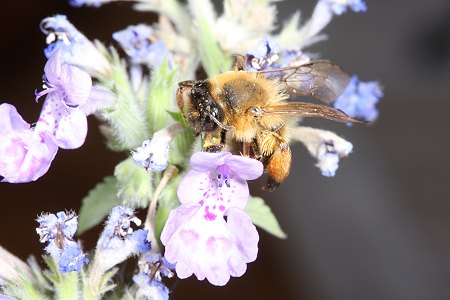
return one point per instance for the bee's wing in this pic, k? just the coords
(321, 79)
(303, 109)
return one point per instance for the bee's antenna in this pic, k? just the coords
(221, 125)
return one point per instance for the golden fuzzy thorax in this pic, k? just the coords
(241, 95)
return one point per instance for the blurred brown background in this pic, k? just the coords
(379, 230)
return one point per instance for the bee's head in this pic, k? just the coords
(210, 115)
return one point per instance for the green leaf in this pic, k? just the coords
(161, 97)
(98, 204)
(134, 184)
(176, 116)
(262, 216)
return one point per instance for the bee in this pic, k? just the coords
(248, 112)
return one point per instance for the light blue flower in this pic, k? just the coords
(72, 258)
(159, 266)
(340, 6)
(151, 289)
(263, 56)
(153, 154)
(359, 99)
(76, 49)
(140, 44)
(118, 230)
(94, 3)
(58, 231)
(119, 240)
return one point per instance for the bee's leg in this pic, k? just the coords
(213, 141)
(278, 167)
(256, 154)
(246, 149)
(271, 185)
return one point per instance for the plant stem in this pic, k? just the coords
(150, 219)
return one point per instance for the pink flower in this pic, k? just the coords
(210, 235)
(25, 154)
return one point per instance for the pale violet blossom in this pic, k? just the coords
(25, 153)
(67, 89)
(210, 235)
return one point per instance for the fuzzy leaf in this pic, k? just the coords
(98, 204)
(262, 216)
(67, 288)
(127, 118)
(24, 289)
(161, 97)
(213, 59)
(134, 184)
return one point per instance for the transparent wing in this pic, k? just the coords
(321, 79)
(303, 109)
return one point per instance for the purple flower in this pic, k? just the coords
(139, 42)
(118, 240)
(359, 99)
(210, 235)
(58, 231)
(25, 153)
